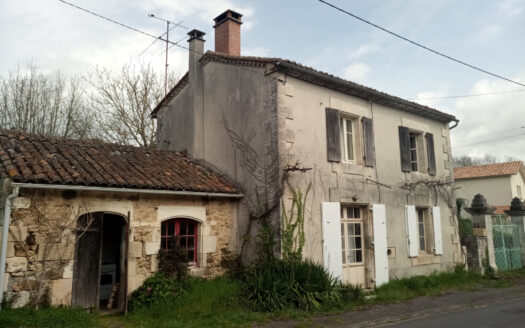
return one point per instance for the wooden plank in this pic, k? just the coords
(86, 267)
(368, 137)
(431, 154)
(333, 136)
(404, 149)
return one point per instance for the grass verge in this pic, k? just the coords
(218, 303)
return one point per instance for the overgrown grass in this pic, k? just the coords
(48, 317)
(219, 303)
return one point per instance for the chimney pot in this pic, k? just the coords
(228, 33)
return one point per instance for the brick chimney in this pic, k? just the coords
(228, 33)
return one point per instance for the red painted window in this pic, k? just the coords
(185, 232)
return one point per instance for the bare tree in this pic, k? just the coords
(466, 160)
(36, 102)
(124, 102)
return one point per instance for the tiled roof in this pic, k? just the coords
(33, 158)
(489, 170)
(500, 209)
(312, 75)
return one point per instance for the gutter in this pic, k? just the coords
(456, 122)
(128, 190)
(5, 235)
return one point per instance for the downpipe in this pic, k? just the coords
(5, 235)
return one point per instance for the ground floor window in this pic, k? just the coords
(182, 232)
(352, 235)
(424, 230)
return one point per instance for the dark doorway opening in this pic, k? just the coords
(99, 271)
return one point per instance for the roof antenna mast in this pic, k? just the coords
(167, 40)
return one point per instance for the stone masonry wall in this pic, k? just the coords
(41, 244)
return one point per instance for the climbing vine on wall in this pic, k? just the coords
(292, 225)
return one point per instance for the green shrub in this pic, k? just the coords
(279, 285)
(173, 262)
(155, 289)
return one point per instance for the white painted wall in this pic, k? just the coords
(496, 190)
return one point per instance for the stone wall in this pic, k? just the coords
(41, 244)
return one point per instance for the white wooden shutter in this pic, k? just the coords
(412, 230)
(332, 252)
(380, 244)
(438, 238)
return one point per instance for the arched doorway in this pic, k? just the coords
(99, 273)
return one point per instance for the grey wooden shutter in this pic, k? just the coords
(368, 138)
(404, 149)
(431, 154)
(333, 142)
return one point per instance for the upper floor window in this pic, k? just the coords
(348, 131)
(413, 151)
(417, 151)
(182, 232)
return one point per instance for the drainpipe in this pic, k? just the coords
(5, 235)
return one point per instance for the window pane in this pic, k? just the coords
(414, 166)
(413, 155)
(358, 242)
(342, 212)
(351, 257)
(191, 242)
(163, 229)
(349, 126)
(183, 228)
(350, 227)
(344, 257)
(342, 229)
(357, 229)
(422, 243)
(351, 243)
(183, 241)
(191, 228)
(349, 147)
(171, 228)
(163, 242)
(357, 212)
(421, 230)
(350, 212)
(412, 141)
(343, 243)
(359, 256)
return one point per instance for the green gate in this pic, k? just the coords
(506, 240)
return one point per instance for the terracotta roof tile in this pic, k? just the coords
(489, 170)
(33, 158)
(312, 75)
(500, 209)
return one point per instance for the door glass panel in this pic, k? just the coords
(359, 256)
(358, 242)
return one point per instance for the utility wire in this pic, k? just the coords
(493, 134)
(489, 141)
(470, 95)
(151, 35)
(419, 44)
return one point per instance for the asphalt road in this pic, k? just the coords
(509, 314)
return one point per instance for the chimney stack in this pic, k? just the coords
(228, 33)
(196, 50)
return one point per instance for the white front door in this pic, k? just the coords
(352, 243)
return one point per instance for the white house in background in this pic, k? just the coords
(360, 144)
(499, 183)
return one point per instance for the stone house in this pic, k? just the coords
(377, 168)
(499, 183)
(84, 216)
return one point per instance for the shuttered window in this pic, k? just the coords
(333, 142)
(368, 141)
(431, 154)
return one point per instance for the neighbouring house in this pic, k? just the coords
(373, 171)
(84, 216)
(498, 183)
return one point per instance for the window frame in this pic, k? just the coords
(344, 132)
(428, 231)
(345, 221)
(414, 151)
(164, 237)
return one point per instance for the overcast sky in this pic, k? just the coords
(488, 34)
